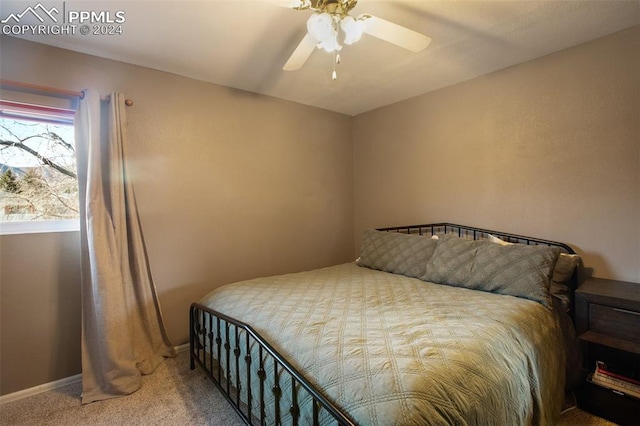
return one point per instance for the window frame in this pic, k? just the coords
(39, 226)
(42, 114)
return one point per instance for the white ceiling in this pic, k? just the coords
(245, 43)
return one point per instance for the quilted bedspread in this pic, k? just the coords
(391, 350)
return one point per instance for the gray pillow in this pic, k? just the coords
(516, 270)
(404, 254)
(561, 278)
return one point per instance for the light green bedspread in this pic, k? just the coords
(392, 350)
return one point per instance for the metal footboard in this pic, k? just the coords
(259, 383)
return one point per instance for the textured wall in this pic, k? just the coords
(39, 308)
(548, 148)
(230, 185)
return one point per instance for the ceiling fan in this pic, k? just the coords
(331, 19)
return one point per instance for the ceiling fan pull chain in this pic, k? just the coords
(336, 60)
(336, 54)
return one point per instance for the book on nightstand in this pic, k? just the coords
(619, 383)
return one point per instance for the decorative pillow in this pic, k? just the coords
(561, 277)
(404, 254)
(516, 270)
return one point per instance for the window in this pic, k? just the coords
(38, 180)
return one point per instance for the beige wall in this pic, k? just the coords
(39, 308)
(548, 148)
(230, 185)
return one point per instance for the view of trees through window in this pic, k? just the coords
(38, 178)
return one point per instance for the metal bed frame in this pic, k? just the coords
(216, 341)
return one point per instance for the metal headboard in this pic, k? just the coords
(474, 234)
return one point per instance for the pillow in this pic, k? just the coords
(516, 270)
(497, 240)
(561, 277)
(404, 254)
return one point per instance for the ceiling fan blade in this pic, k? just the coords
(301, 54)
(396, 34)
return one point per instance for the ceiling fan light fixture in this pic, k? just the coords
(320, 26)
(352, 28)
(331, 17)
(323, 28)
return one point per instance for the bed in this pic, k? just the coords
(433, 324)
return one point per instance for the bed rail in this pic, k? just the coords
(220, 344)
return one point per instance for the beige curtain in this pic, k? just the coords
(123, 335)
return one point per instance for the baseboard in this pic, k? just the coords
(181, 348)
(4, 399)
(39, 389)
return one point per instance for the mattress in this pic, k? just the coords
(389, 350)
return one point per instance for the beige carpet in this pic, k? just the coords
(173, 395)
(577, 417)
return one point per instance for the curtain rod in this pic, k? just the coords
(51, 91)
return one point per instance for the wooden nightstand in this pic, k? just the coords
(608, 324)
